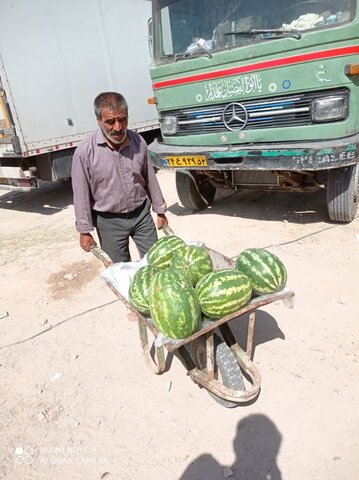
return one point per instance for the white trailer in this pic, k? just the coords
(55, 57)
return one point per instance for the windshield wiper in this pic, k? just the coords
(201, 52)
(269, 34)
(185, 56)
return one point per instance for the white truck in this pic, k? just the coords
(55, 57)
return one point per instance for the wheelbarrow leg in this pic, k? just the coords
(210, 355)
(251, 322)
(159, 365)
(231, 341)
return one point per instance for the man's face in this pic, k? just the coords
(114, 125)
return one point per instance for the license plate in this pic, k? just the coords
(185, 161)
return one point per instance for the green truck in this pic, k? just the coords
(258, 94)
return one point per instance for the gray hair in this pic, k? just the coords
(111, 100)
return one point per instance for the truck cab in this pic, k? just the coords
(259, 95)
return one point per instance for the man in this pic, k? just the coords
(114, 184)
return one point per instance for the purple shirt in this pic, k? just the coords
(108, 180)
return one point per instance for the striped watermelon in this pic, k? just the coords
(264, 269)
(161, 252)
(140, 288)
(170, 275)
(175, 309)
(193, 259)
(223, 292)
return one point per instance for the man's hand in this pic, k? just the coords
(86, 240)
(161, 220)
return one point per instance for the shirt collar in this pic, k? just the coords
(100, 138)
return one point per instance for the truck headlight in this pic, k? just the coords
(169, 125)
(329, 108)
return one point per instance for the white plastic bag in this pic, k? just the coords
(120, 275)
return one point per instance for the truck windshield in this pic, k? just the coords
(187, 28)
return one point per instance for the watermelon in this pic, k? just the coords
(223, 292)
(264, 269)
(175, 309)
(161, 252)
(140, 288)
(193, 259)
(170, 275)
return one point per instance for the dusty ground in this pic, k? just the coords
(77, 401)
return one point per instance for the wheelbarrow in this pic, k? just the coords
(212, 357)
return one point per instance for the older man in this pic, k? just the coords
(114, 184)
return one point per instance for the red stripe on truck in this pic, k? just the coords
(278, 62)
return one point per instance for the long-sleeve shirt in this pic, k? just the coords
(107, 180)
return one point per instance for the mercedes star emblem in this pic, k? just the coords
(235, 117)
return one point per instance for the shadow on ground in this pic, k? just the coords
(303, 208)
(266, 329)
(48, 199)
(256, 446)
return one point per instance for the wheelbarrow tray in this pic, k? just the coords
(181, 348)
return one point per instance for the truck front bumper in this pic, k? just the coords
(295, 156)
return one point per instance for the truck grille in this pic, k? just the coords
(273, 112)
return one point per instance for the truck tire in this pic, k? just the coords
(227, 366)
(342, 193)
(194, 191)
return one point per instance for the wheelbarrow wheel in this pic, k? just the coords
(227, 369)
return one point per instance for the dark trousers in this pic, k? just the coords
(115, 229)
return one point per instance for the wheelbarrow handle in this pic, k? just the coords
(167, 230)
(101, 255)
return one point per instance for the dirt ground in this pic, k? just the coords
(78, 402)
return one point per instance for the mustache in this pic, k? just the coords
(117, 137)
(122, 132)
